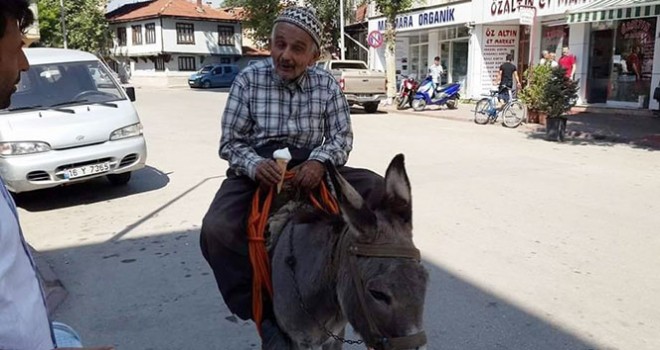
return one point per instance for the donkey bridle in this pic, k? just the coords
(376, 338)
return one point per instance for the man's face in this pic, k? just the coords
(565, 52)
(293, 50)
(12, 61)
(437, 62)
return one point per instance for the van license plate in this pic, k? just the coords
(86, 170)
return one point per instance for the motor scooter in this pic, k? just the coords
(406, 92)
(428, 94)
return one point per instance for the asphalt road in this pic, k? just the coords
(530, 244)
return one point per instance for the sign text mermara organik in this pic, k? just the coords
(422, 19)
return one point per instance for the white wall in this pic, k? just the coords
(578, 43)
(475, 62)
(206, 38)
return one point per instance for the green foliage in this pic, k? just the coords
(537, 77)
(559, 94)
(390, 9)
(260, 15)
(86, 26)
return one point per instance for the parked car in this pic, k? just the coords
(217, 75)
(69, 121)
(360, 85)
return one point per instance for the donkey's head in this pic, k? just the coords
(385, 303)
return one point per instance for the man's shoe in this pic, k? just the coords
(273, 338)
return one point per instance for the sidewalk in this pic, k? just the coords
(602, 128)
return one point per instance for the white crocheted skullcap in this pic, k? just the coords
(303, 18)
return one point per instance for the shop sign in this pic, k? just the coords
(499, 41)
(510, 9)
(428, 18)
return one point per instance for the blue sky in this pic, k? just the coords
(113, 4)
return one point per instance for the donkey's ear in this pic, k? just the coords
(398, 195)
(353, 207)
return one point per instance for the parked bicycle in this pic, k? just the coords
(513, 112)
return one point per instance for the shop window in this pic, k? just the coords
(632, 62)
(463, 32)
(554, 38)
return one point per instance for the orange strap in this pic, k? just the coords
(257, 242)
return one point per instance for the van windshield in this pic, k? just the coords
(60, 84)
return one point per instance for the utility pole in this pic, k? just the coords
(62, 13)
(341, 30)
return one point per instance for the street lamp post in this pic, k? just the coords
(62, 13)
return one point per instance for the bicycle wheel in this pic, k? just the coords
(513, 114)
(481, 111)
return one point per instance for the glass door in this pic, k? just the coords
(459, 63)
(445, 61)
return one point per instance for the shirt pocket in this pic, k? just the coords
(313, 112)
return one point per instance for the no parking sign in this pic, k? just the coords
(375, 39)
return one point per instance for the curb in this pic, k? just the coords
(650, 140)
(54, 290)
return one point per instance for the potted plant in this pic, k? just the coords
(559, 96)
(536, 77)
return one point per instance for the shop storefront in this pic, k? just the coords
(497, 32)
(623, 48)
(423, 34)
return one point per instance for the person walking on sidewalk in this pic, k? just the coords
(506, 75)
(24, 323)
(282, 102)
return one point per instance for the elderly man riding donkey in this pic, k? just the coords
(327, 253)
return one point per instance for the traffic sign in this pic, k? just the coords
(375, 39)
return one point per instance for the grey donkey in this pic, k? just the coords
(315, 291)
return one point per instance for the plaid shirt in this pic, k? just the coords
(262, 109)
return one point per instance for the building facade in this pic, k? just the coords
(435, 30)
(161, 42)
(615, 43)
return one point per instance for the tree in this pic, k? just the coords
(260, 15)
(391, 8)
(86, 26)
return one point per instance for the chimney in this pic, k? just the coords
(199, 3)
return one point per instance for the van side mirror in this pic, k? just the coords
(130, 91)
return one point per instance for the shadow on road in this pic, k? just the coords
(161, 286)
(96, 190)
(356, 110)
(608, 130)
(223, 89)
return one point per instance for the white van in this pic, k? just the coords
(69, 121)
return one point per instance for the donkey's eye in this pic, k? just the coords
(380, 296)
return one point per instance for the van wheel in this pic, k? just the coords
(206, 84)
(119, 179)
(371, 107)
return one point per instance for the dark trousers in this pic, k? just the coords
(224, 242)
